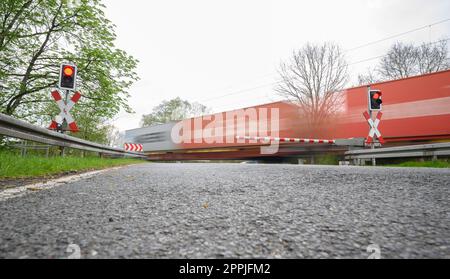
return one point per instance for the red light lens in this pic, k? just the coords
(376, 96)
(68, 71)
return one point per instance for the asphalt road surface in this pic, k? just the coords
(234, 211)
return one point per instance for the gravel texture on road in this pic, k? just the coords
(189, 210)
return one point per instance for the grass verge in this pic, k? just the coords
(14, 166)
(425, 164)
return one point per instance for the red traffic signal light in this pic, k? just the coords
(375, 99)
(68, 71)
(67, 77)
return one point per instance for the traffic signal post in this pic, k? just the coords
(67, 83)
(374, 104)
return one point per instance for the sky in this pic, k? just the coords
(225, 54)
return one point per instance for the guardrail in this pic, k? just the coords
(422, 150)
(15, 128)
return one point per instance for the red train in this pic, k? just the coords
(415, 109)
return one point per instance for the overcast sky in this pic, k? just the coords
(203, 50)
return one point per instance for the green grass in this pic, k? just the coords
(15, 166)
(328, 159)
(425, 164)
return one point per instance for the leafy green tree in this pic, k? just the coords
(36, 36)
(173, 110)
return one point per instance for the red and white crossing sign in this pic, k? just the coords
(374, 127)
(133, 147)
(65, 111)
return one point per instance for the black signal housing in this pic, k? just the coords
(375, 99)
(68, 77)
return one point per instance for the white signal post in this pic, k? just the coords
(374, 134)
(67, 82)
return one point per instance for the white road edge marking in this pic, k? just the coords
(27, 189)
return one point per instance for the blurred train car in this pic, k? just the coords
(415, 110)
(154, 138)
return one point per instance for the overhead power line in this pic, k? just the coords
(381, 56)
(397, 35)
(240, 91)
(348, 50)
(277, 82)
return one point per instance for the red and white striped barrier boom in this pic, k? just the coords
(292, 140)
(65, 110)
(134, 147)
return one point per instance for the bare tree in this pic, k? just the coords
(432, 58)
(400, 62)
(312, 78)
(405, 60)
(369, 78)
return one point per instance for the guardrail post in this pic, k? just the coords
(435, 158)
(23, 150)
